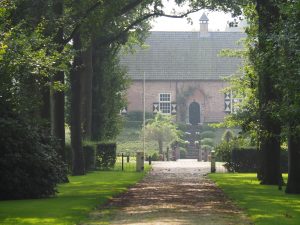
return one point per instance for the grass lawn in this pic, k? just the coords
(74, 201)
(264, 204)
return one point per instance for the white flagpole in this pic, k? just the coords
(144, 112)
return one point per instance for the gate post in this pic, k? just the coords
(213, 162)
(139, 161)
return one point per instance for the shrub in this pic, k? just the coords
(182, 152)
(206, 127)
(246, 160)
(206, 147)
(106, 155)
(227, 135)
(243, 160)
(155, 156)
(207, 134)
(207, 141)
(30, 166)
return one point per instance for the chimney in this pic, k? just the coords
(203, 24)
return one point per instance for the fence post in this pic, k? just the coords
(168, 158)
(139, 161)
(122, 162)
(199, 155)
(213, 162)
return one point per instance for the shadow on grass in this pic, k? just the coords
(73, 202)
(265, 204)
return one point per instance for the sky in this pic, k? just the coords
(217, 21)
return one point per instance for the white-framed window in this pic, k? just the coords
(165, 103)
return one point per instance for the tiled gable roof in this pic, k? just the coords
(184, 56)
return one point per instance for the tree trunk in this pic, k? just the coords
(58, 97)
(45, 107)
(98, 118)
(76, 134)
(293, 184)
(86, 93)
(160, 147)
(269, 172)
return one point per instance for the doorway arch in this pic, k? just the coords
(194, 113)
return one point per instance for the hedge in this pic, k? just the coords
(89, 157)
(106, 155)
(246, 160)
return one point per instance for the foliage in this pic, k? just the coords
(207, 134)
(207, 147)
(74, 201)
(224, 149)
(109, 84)
(181, 100)
(265, 205)
(207, 141)
(30, 165)
(227, 135)
(162, 129)
(106, 155)
(243, 160)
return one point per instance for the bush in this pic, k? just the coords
(182, 152)
(155, 156)
(206, 127)
(30, 166)
(227, 135)
(89, 151)
(207, 134)
(207, 141)
(206, 147)
(106, 155)
(244, 160)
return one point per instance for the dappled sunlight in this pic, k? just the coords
(73, 202)
(264, 203)
(173, 193)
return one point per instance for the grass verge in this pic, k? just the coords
(73, 202)
(264, 204)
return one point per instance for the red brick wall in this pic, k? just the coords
(207, 93)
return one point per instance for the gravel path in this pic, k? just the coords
(173, 193)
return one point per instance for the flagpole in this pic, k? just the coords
(144, 112)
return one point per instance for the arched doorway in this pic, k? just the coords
(194, 113)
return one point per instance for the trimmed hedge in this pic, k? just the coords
(106, 155)
(246, 160)
(89, 157)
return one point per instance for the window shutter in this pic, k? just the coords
(227, 102)
(155, 107)
(173, 108)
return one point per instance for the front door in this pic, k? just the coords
(194, 113)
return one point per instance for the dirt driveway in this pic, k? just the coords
(172, 193)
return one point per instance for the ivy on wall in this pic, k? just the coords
(181, 100)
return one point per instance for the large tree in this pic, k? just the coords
(288, 81)
(268, 16)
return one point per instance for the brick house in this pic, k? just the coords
(184, 74)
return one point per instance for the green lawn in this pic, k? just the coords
(263, 204)
(74, 201)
